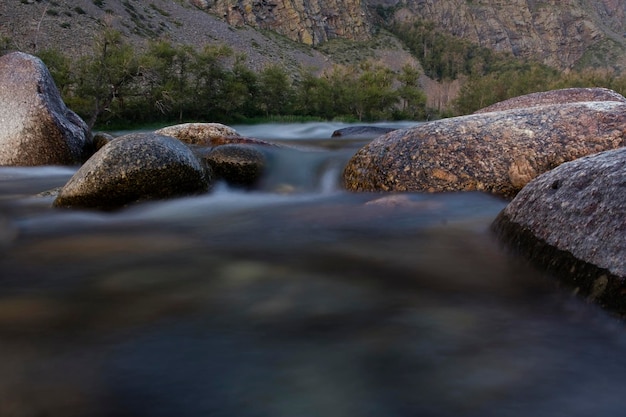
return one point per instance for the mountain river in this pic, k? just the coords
(297, 299)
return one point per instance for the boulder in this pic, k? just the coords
(565, 95)
(100, 139)
(36, 128)
(239, 165)
(497, 152)
(207, 134)
(135, 167)
(361, 131)
(204, 134)
(572, 222)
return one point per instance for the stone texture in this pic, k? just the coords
(207, 134)
(310, 22)
(572, 221)
(36, 128)
(361, 131)
(498, 152)
(238, 165)
(566, 95)
(135, 167)
(100, 139)
(204, 134)
(559, 33)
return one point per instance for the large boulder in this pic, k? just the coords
(572, 221)
(135, 167)
(36, 128)
(498, 152)
(565, 95)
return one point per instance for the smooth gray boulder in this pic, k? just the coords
(135, 167)
(572, 222)
(497, 152)
(36, 127)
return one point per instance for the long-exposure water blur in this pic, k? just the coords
(294, 299)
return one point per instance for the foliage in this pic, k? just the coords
(167, 83)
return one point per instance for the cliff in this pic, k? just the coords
(308, 21)
(564, 34)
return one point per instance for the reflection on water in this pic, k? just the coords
(311, 302)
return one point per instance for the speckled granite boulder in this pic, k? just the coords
(36, 128)
(204, 134)
(133, 168)
(572, 222)
(566, 95)
(498, 152)
(238, 165)
(207, 134)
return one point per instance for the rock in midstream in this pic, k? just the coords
(135, 167)
(497, 152)
(572, 222)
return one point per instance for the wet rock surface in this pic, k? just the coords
(239, 165)
(361, 131)
(566, 95)
(572, 222)
(207, 134)
(498, 152)
(135, 167)
(36, 128)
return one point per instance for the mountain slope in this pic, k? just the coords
(564, 34)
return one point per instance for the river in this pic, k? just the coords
(296, 299)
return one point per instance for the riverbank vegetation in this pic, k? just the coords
(488, 76)
(167, 83)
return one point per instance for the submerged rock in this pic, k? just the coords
(204, 134)
(238, 165)
(565, 95)
(498, 152)
(572, 221)
(100, 139)
(36, 127)
(362, 131)
(133, 168)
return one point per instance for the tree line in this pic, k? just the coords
(489, 76)
(117, 85)
(164, 83)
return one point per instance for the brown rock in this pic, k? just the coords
(566, 95)
(498, 152)
(207, 134)
(572, 222)
(204, 134)
(36, 128)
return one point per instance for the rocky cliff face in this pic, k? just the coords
(308, 21)
(561, 33)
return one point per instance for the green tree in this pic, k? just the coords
(105, 79)
(373, 95)
(276, 93)
(209, 72)
(412, 97)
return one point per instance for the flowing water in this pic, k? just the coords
(297, 299)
